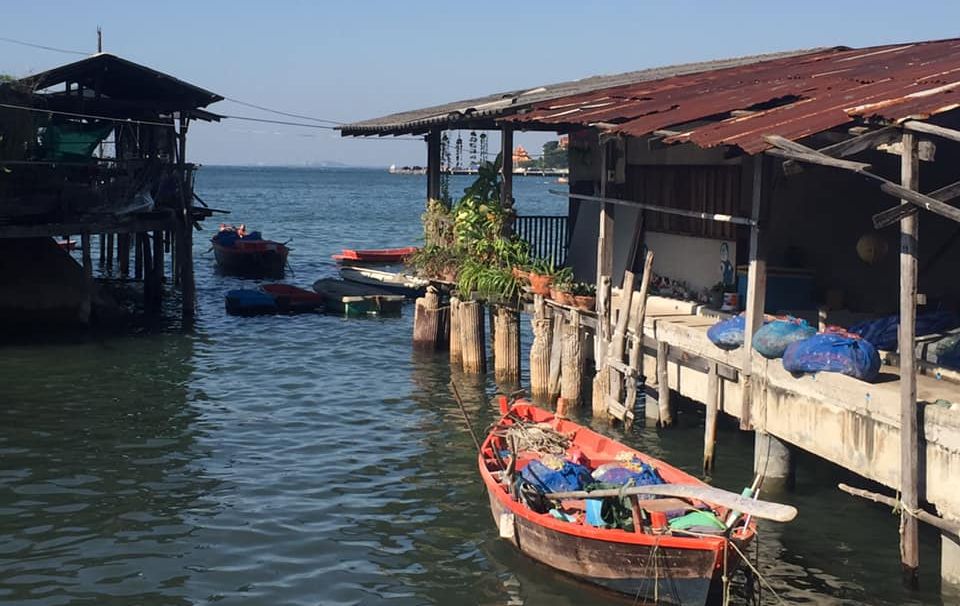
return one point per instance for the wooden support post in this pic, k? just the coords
(772, 460)
(455, 357)
(756, 292)
(429, 322)
(433, 164)
(710, 424)
(506, 189)
(137, 257)
(87, 305)
(540, 351)
(185, 229)
(102, 259)
(618, 341)
(123, 254)
(109, 247)
(601, 380)
(571, 371)
(909, 442)
(506, 357)
(473, 347)
(663, 385)
(148, 283)
(158, 254)
(635, 359)
(556, 357)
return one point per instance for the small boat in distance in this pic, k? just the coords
(247, 254)
(374, 255)
(660, 534)
(358, 299)
(402, 284)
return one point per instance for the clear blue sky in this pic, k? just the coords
(361, 59)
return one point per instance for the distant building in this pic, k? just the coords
(521, 157)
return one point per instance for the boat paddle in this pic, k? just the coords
(765, 510)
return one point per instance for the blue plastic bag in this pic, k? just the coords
(772, 339)
(568, 478)
(882, 332)
(833, 352)
(619, 475)
(728, 334)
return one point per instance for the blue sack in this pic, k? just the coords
(772, 339)
(569, 478)
(833, 352)
(728, 334)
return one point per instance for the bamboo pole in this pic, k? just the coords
(540, 352)
(909, 444)
(456, 359)
(506, 347)
(710, 424)
(472, 338)
(572, 362)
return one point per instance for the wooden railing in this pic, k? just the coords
(546, 234)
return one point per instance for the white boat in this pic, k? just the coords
(410, 286)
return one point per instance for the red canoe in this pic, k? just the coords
(657, 561)
(293, 298)
(375, 255)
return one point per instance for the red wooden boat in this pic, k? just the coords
(375, 255)
(293, 299)
(248, 255)
(655, 562)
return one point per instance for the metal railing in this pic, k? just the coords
(546, 234)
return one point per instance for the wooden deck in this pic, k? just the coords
(846, 421)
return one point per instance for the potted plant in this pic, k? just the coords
(585, 295)
(540, 277)
(561, 285)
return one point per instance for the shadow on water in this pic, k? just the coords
(100, 472)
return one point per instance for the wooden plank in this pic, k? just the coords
(618, 339)
(860, 143)
(756, 289)
(924, 516)
(719, 217)
(556, 357)
(909, 442)
(932, 129)
(811, 157)
(893, 215)
(635, 359)
(765, 510)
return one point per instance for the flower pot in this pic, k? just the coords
(521, 275)
(540, 285)
(561, 296)
(585, 302)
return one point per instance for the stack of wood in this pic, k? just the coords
(615, 384)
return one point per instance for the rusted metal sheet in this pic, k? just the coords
(792, 97)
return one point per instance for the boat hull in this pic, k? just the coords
(392, 282)
(261, 262)
(376, 256)
(357, 299)
(685, 576)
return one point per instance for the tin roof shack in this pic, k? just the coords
(799, 167)
(97, 147)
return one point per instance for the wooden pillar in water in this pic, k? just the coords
(137, 256)
(109, 247)
(86, 307)
(146, 253)
(158, 260)
(506, 347)
(710, 423)
(571, 373)
(123, 254)
(429, 322)
(472, 338)
(454, 337)
(540, 351)
(102, 259)
(909, 442)
(663, 385)
(756, 292)
(506, 189)
(601, 380)
(185, 229)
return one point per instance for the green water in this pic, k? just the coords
(315, 460)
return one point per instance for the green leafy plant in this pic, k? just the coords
(434, 261)
(494, 283)
(584, 289)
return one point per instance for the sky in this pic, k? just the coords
(348, 61)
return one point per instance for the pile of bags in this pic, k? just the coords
(802, 348)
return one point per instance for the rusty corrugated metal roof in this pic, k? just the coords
(468, 112)
(793, 97)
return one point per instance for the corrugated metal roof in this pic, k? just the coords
(460, 113)
(793, 97)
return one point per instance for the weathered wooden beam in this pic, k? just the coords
(722, 218)
(932, 129)
(506, 171)
(710, 423)
(810, 156)
(756, 291)
(663, 385)
(433, 164)
(923, 516)
(571, 373)
(867, 141)
(909, 440)
(893, 215)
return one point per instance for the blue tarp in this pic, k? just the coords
(570, 477)
(620, 475)
(882, 332)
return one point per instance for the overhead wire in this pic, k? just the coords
(42, 46)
